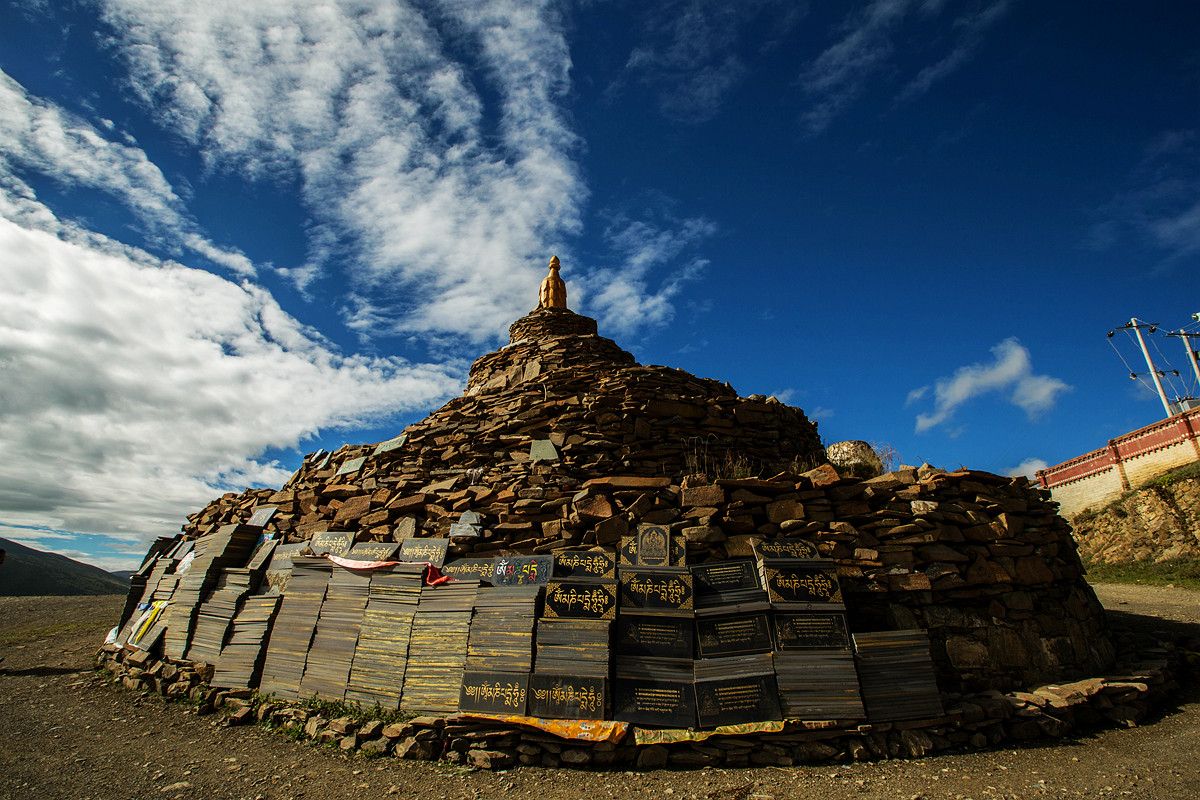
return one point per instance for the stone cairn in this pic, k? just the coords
(564, 449)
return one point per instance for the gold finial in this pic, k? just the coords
(553, 293)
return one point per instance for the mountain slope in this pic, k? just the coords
(26, 571)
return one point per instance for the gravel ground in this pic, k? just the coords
(69, 733)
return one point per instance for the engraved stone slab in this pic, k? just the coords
(373, 551)
(628, 554)
(654, 590)
(803, 631)
(581, 600)
(431, 550)
(803, 585)
(654, 637)
(733, 635)
(472, 569)
(656, 704)
(390, 444)
(522, 570)
(335, 543)
(654, 546)
(494, 692)
(262, 516)
(785, 548)
(725, 576)
(737, 701)
(351, 465)
(542, 450)
(567, 697)
(263, 553)
(585, 564)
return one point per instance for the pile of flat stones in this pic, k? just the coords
(976, 721)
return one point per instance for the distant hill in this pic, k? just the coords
(26, 571)
(123, 574)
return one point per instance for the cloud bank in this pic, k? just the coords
(1010, 373)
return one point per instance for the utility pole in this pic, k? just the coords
(1191, 352)
(1154, 373)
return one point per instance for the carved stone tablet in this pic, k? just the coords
(262, 516)
(628, 554)
(654, 637)
(785, 548)
(725, 576)
(654, 546)
(431, 550)
(585, 564)
(373, 551)
(262, 553)
(522, 570)
(658, 704)
(390, 444)
(472, 569)
(805, 631)
(803, 585)
(351, 465)
(567, 697)
(737, 701)
(733, 635)
(334, 543)
(655, 590)
(581, 600)
(494, 692)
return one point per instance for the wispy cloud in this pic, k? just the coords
(689, 55)
(866, 50)
(1010, 373)
(135, 389)
(1162, 207)
(440, 181)
(621, 296)
(37, 137)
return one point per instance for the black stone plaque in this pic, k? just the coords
(785, 548)
(580, 600)
(653, 636)
(805, 631)
(733, 635)
(471, 569)
(586, 565)
(334, 543)
(654, 704)
(494, 692)
(656, 590)
(522, 570)
(737, 701)
(261, 516)
(281, 559)
(567, 697)
(628, 554)
(803, 585)
(431, 551)
(372, 551)
(725, 576)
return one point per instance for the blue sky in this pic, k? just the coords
(234, 233)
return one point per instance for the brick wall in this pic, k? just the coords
(1102, 475)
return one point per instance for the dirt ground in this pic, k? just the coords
(68, 733)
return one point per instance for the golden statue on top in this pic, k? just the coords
(553, 293)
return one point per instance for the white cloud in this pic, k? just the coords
(619, 296)
(1028, 468)
(837, 77)
(442, 181)
(1011, 372)
(36, 136)
(132, 391)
